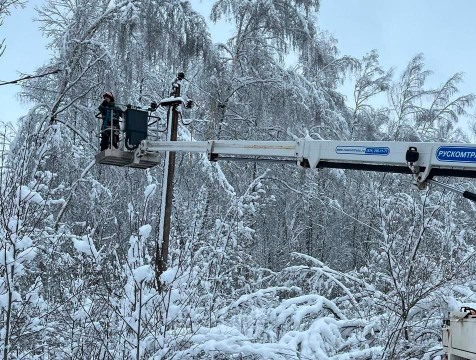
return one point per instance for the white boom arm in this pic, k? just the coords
(423, 160)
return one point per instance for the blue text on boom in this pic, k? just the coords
(456, 153)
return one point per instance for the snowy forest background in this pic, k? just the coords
(265, 261)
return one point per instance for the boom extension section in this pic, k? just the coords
(422, 160)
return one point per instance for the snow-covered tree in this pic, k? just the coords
(264, 261)
(5, 10)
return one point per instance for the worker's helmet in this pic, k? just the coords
(110, 94)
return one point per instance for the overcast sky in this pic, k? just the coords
(444, 31)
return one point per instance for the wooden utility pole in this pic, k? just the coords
(162, 246)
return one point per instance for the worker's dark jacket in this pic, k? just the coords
(110, 110)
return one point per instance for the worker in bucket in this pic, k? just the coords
(110, 117)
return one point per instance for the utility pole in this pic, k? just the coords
(162, 246)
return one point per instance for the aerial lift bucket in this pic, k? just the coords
(135, 130)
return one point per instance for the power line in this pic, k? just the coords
(211, 96)
(43, 89)
(327, 204)
(350, 216)
(58, 92)
(29, 77)
(203, 90)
